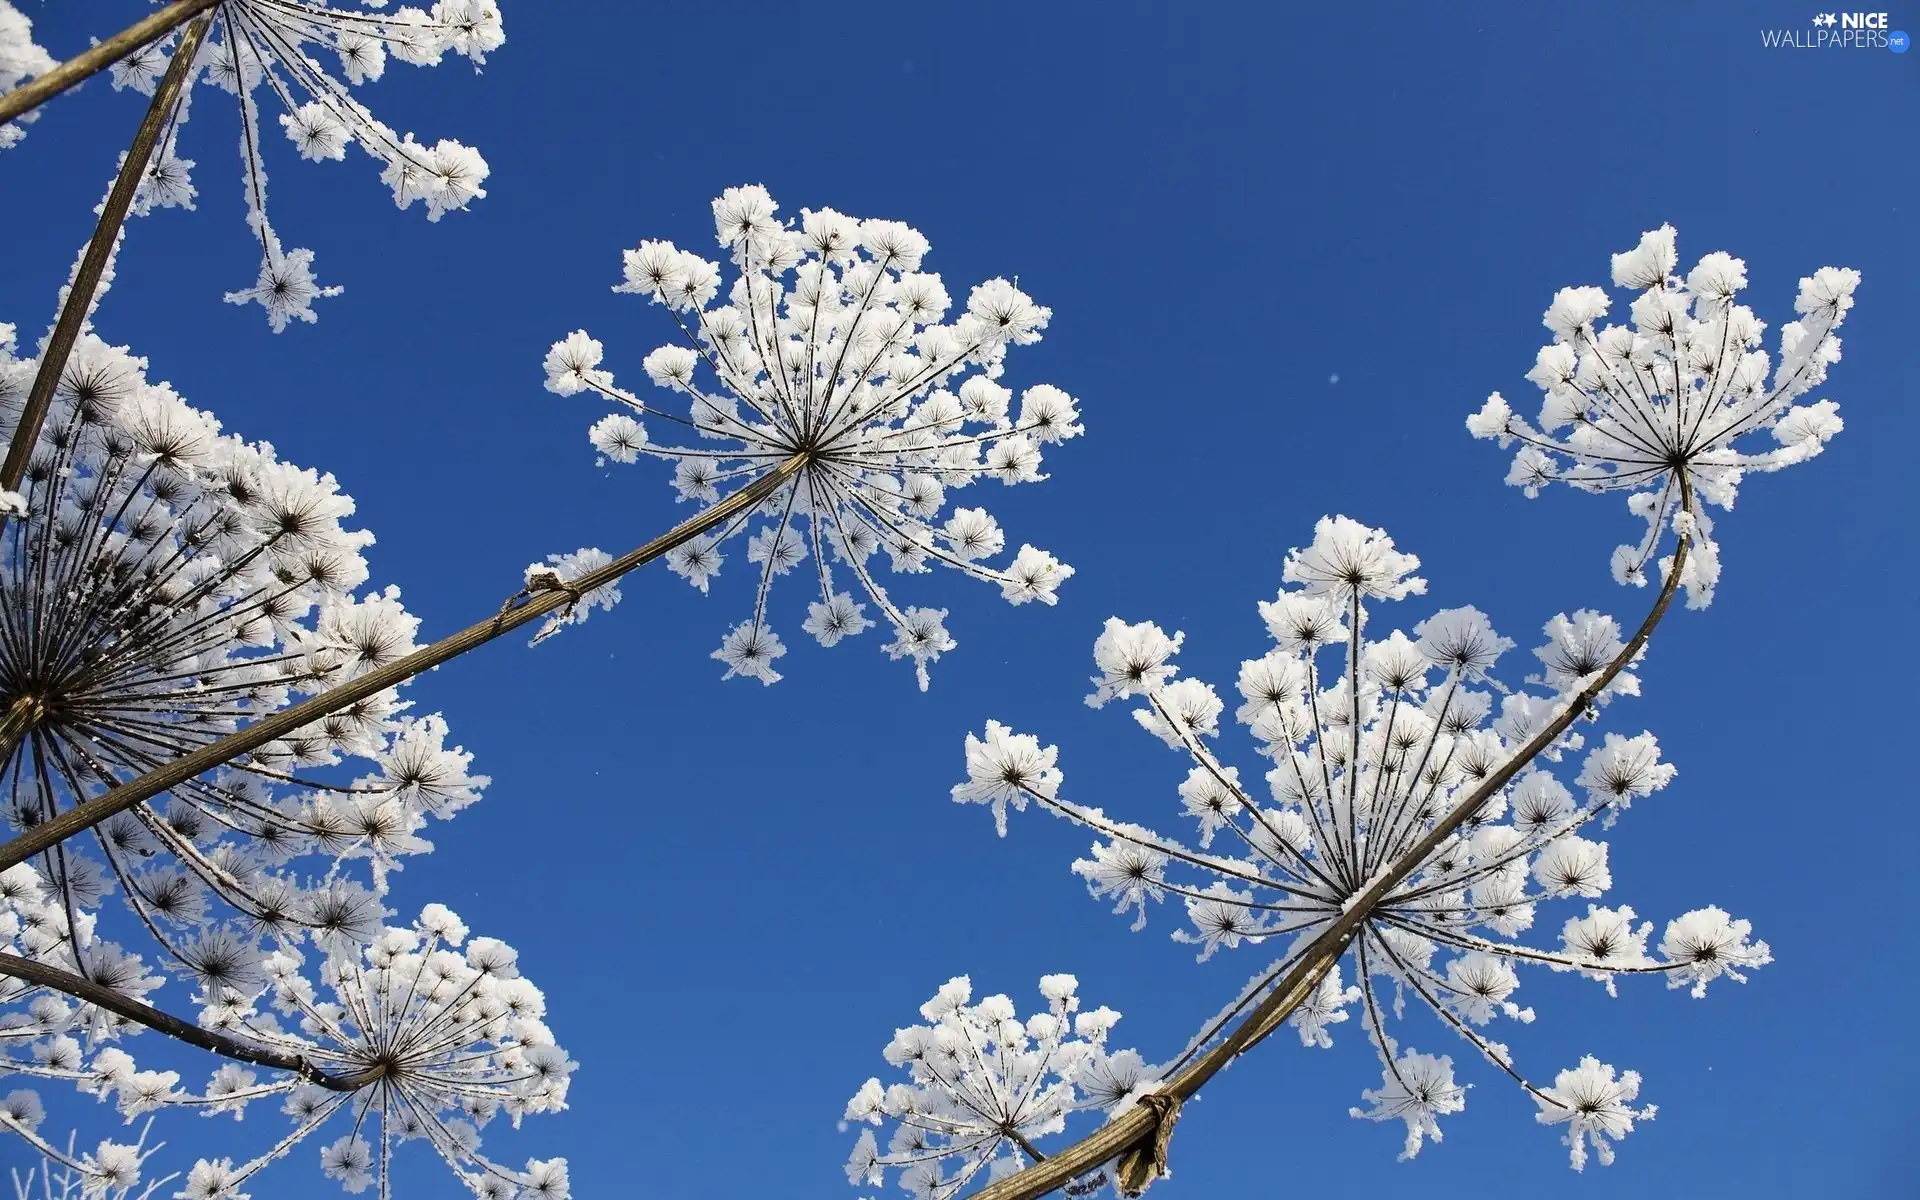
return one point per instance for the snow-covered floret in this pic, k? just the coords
(1594, 1106)
(1577, 649)
(1003, 769)
(1373, 740)
(831, 360)
(275, 48)
(1326, 1006)
(1669, 407)
(1132, 659)
(1418, 1089)
(20, 60)
(1705, 944)
(1348, 560)
(1624, 769)
(983, 1087)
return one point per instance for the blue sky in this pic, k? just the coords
(732, 894)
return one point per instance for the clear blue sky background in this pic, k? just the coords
(732, 894)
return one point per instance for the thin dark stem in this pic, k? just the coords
(102, 55)
(93, 264)
(267, 729)
(101, 996)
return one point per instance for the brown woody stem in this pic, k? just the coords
(18, 721)
(100, 996)
(266, 729)
(1135, 1130)
(102, 55)
(93, 263)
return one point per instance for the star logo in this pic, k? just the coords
(1826, 19)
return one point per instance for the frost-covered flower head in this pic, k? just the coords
(983, 1086)
(832, 352)
(1675, 401)
(20, 60)
(307, 55)
(420, 1034)
(1367, 740)
(167, 583)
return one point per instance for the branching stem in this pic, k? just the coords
(1138, 1126)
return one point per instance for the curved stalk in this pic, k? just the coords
(93, 263)
(79, 68)
(519, 611)
(1136, 1132)
(101, 996)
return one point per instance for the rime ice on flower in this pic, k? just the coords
(1683, 392)
(831, 345)
(443, 1034)
(1594, 1106)
(421, 1034)
(167, 584)
(1369, 739)
(307, 56)
(20, 60)
(1418, 1089)
(984, 1086)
